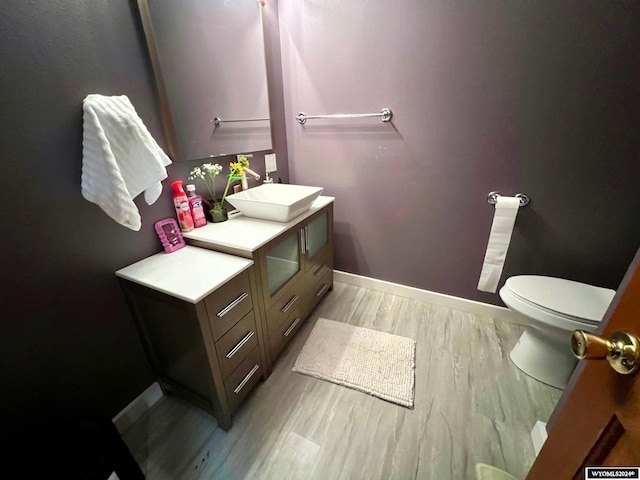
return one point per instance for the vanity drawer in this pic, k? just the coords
(283, 307)
(318, 267)
(320, 288)
(287, 330)
(229, 304)
(236, 344)
(243, 379)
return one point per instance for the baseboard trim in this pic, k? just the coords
(137, 407)
(538, 436)
(427, 296)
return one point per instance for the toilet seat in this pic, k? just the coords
(561, 303)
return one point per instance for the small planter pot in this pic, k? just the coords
(215, 212)
(219, 214)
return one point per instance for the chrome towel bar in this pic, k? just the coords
(492, 198)
(217, 121)
(385, 115)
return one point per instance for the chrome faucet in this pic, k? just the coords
(251, 173)
(247, 171)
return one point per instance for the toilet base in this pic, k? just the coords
(543, 358)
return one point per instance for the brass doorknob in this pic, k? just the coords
(621, 350)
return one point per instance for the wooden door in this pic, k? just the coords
(598, 422)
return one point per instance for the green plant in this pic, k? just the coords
(208, 172)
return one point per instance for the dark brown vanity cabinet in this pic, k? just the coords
(213, 335)
(293, 267)
(209, 352)
(296, 270)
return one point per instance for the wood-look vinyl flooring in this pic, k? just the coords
(472, 405)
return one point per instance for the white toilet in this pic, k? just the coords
(554, 308)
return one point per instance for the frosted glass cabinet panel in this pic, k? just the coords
(294, 262)
(283, 262)
(317, 233)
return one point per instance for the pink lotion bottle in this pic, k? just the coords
(195, 204)
(181, 202)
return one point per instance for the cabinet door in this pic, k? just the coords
(281, 265)
(318, 233)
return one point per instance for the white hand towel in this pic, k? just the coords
(120, 159)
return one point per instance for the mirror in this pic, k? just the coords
(208, 59)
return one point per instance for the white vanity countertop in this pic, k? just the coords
(190, 273)
(249, 234)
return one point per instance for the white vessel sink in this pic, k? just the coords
(278, 202)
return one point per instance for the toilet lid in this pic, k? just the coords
(566, 297)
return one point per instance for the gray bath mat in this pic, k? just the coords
(377, 363)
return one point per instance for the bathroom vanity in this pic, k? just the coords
(194, 309)
(293, 265)
(214, 315)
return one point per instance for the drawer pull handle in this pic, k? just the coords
(289, 303)
(233, 304)
(322, 289)
(246, 379)
(303, 242)
(240, 344)
(292, 326)
(321, 270)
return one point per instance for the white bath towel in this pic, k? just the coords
(120, 159)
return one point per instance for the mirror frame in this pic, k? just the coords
(166, 118)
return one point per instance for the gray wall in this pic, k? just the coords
(68, 346)
(535, 97)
